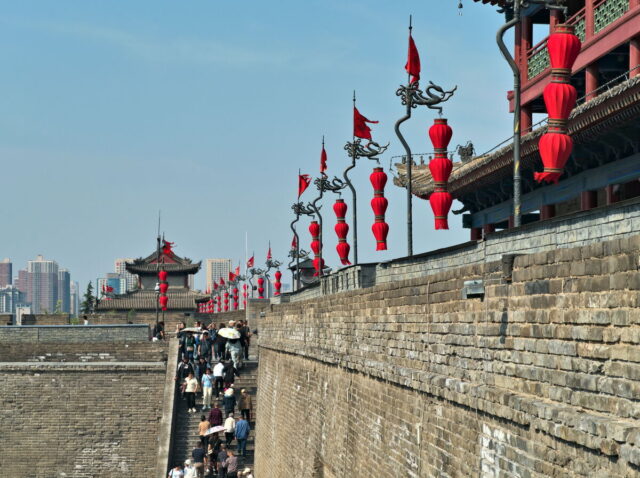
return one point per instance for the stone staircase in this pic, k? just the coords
(185, 435)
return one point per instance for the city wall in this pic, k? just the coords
(538, 376)
(83, 401)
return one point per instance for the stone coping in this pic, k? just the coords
(53, 366)
(103, 326)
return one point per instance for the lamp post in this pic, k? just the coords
(412, 96)
(513, 14)
(157, 290)
(300, 209)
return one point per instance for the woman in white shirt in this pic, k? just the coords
(190, 392)
(229, 428)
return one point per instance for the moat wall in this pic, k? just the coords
(539, 378)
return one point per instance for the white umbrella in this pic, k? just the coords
(229, 333)
(195, 330)
(213, 430)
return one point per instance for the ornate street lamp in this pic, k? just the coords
(412, 96)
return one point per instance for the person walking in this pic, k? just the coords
(229, 429)
(222, 457)
(204, 349)
(231, 463)
(199, 456)
(212, 452)
(189, 469)
(190, 392)
(215, 416)
(219, 344)
(184, 369)
(229, 373)
(229, 401)
(207, 389)
(176, 472)
(246, 405)
(245, 335)
(203, 426)
(234, 347)
(218, 378)
(242, 434)
(189, 345)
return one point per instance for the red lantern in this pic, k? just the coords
(342, 229)
(440, 204)
(555, 149)
(440, 134)
(260, 288)
(163, 301)
(379, 205)
(316, 247)
(555, 146)
(563, 46)
(162, 275)
(277, 284)
(164, 287)
(318, 264)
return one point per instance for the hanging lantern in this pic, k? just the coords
(314, 230)
(260, 287)
(235, 298)
(162, 275)
(219, 305)
(164, 300)
(164, 287)
(440, 166)
(559, 95)
(379, 205)
(342, 229)
(277, 284)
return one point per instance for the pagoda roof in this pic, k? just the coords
(608, 110)
(170, 262)
(146, 300)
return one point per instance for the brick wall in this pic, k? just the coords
(46, 319)
(90, 352)
(80, 420)
(539, 377)
(73, 333)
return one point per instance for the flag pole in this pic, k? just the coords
(352, 151)
(320, 185)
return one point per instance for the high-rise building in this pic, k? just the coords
(217, 269)
(10, 299)
(5, 273)
(116, 283)
(75, 298)
(120, 267)
(64, 290)
(22, 281)
(42, 285)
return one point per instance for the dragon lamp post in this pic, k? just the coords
(296, 253)
(412, 97)
(256, 271)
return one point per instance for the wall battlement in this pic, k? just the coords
(538, 377)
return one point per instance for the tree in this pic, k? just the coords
(88, 301)
(131, 316)
(58, 309)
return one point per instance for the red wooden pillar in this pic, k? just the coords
(591, 81)
(554, 19)
(589, 28)
(634, 56)
(476, 233)
(488, 229)
(525, 119)
(547, 212)
(612, 196)
(588, 200)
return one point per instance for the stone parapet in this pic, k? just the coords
(30, 334)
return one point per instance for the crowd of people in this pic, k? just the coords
(212, 357)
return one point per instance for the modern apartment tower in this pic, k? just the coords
(64, 290)
(5, 273)
(120, 267)
(217, 269)
(42, 285)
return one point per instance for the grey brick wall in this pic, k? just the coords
(28, 334)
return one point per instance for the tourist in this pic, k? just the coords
(85, 320)
(176, 472)
(189, 345)
(215, 416)
(203, 426)
(222, 457)
(189, 469)
(184, 369)
(229, 429)
(207, 389)
(201, 368)
(190, 390)
(228, 373)
(231, 464)
(229, 400)
(218, 381)
(219, 344)
(234, 347)
(246, 405)
(212, 452)
(246, 473)
(179, 327)
(242, 434)
(204, 348)
(158, 331)
(245, 336)
(199, 455)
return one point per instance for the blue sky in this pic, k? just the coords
(206, 109)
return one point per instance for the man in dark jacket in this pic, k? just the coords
(184, 369)
(228, 373)
(215, 416)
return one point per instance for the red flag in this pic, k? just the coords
(413, 61)
(323, 160)
(303, 184)
(237, 271)
(232, 277)
(294, 243)
(221, 281)
(360, 127)
(215, 286)
(269, 257)
(250, 263)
